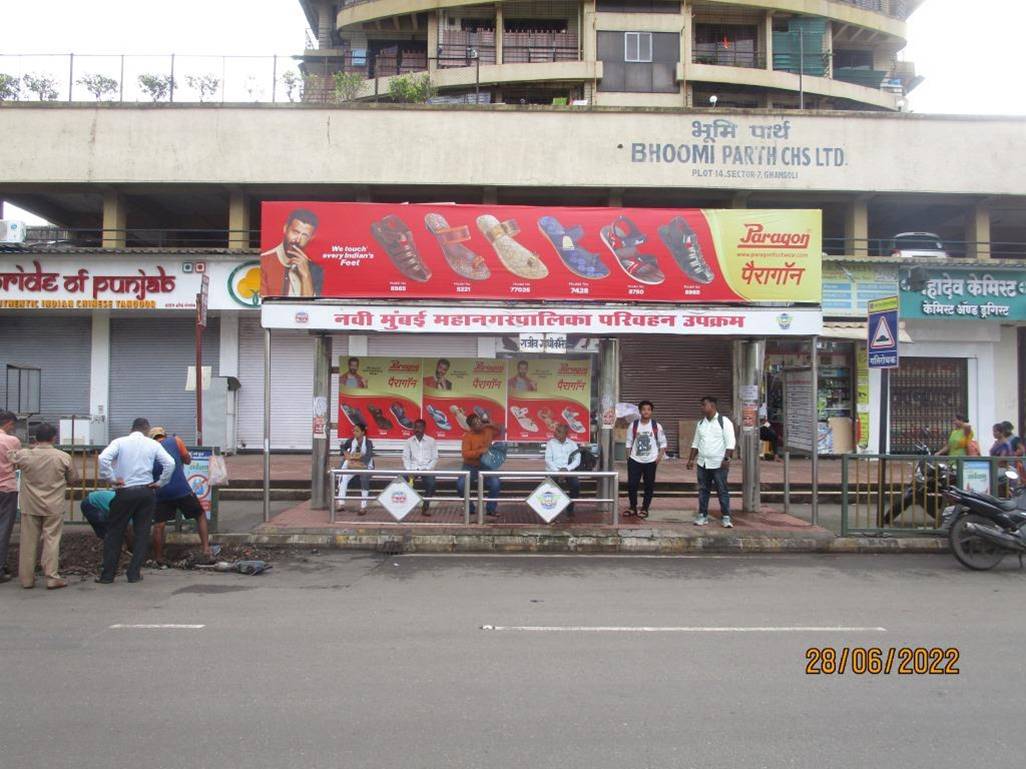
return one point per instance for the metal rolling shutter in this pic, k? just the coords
(149, 358)
(292, 360)
(61, 347)
(674, 372)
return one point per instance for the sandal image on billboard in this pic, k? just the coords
(461, 416)
(546, 416)
(523, 417)
(379, 418)
(461, 259)
(353, 415)
(572, 420)
(683, 244)
(440, 418)
(400, 416)
(517, 259)
(579, 260)
(623, 238)
(397, 240)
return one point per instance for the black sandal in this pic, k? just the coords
(642, 513)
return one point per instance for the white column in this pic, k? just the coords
(99, 378)
(228, 365)
(486, 346)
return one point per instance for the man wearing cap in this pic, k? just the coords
(176, 496)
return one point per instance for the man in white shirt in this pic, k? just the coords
(420, 452)
(564, 455)
(646, 448)
(128, 463)
(713, 447)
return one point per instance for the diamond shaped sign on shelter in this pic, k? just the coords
(548, 500)
(399, 498)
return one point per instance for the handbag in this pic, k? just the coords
(218, 471)
(494, 457)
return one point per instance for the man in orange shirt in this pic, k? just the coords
(475, 444)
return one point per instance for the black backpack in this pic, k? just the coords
(588, 460)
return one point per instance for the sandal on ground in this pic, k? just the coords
(682, 242)
(629, 513)
(622, 237)
(397, 240)
(461, 259)
(517, 259)
(642, 513)
(580, 261)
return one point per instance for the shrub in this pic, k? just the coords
(205, 85)
(347, 85)
(293, 85)
(98, 85)
(10, 87)
(411, 89)
(157, 86)
(42, 86)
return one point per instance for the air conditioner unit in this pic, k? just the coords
(12, 231)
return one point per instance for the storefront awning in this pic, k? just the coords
(856, 330)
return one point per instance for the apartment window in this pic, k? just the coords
(637, 46)
(853, 59)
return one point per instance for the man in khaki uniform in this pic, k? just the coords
(45, 475)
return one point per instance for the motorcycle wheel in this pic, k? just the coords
(972, 551)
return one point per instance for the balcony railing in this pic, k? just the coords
(896, 9)
(728, 57)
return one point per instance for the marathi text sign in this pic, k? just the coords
(494, 320)
(967, 294)
(392, 251)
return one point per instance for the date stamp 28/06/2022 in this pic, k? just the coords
(876, 660)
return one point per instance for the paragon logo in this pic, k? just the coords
(757, 237)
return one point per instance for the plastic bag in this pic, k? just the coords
(218, 471)
(627, 411)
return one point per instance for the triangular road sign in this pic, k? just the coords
(882, 337)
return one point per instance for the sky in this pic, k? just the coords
(971, 62)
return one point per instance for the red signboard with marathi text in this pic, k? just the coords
(398, 251)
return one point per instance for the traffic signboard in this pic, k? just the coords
(883, 333)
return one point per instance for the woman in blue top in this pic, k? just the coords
(357, 454)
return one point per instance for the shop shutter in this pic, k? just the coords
(149, 358)
(674, 372)
(292, 360)
(59, 346)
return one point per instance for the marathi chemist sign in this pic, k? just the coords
(967, 294)
(727, 149)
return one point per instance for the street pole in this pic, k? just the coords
(750, 384)
(71, 77)
(815, 431)
(267, 425)
(320, 489)
(199, 381)
(609, 395)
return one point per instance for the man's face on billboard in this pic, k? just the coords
(298, 233)
(354, 366)
(522, 368)
(441, 370)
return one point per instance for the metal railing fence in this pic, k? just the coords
(895, 494)
(336, 475)
(483, 475)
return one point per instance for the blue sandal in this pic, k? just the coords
(580, 261)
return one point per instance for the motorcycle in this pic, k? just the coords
(982, 529)
(931, 480)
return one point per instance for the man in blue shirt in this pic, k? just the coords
(176, 496)
(128, 464)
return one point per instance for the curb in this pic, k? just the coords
(584, 542)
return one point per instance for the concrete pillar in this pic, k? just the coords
(687, 42)
(432, 40)
(238, 219)
(500, 29)
(320, 489)
(325, 24)
(115, 219)
(228, 365)
(609, 396)
(767, 38)
(589, 38)
(856, 227)
(99, 378)
(977, 231)
(753, 351)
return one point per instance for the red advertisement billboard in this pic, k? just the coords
(383, 394)
(454, 389)
(397, 251)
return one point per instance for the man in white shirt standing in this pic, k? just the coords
(128, 463)
(646, 448)
(713, 447)
(563, 455)
(420, 452)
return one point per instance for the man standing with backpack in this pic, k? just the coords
(713, 446)
(646, 448)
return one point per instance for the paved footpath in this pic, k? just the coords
(353, 660)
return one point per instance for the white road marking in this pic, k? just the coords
(635, 629)
(581, 556)
(157, 627)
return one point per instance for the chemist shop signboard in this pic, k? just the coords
(975, 294)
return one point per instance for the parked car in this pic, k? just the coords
(920, 245)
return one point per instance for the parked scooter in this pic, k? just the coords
(983, 529)
(931, 480)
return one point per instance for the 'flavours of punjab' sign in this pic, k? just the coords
(391, 251)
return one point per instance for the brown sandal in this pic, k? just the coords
(397, 240)
(461, 259)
